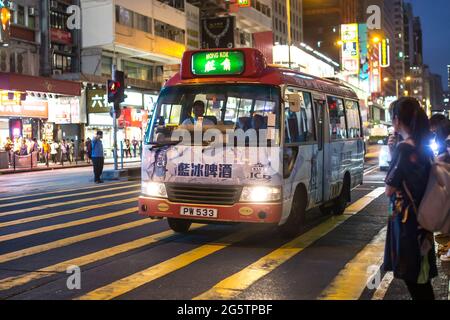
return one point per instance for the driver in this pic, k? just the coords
(199, 110)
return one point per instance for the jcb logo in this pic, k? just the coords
(74, 19)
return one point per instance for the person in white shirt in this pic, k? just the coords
(199, 110)
(54, 150)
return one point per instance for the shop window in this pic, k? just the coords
(338, 128)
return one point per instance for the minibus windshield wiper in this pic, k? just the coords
(155, 145)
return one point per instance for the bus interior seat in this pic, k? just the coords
(244, 123)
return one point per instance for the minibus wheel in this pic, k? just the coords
(179, 225)
(296, 219)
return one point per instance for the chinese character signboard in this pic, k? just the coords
(218, 63)
(96, 101)
(218, 32)
(350, 49)
(222, 171)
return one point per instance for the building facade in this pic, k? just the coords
(32, 104)
(280, 25)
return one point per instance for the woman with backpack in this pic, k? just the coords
(445, 157)
(409, 250)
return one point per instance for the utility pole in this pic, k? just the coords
(288, 12)
(114, 116)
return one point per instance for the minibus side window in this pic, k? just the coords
(353, 119)
(338, 127)
(299, 126)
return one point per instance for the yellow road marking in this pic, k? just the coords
(71, 240)
(232, 286)
(65, 225)
(60, 204)
(67, 212)
(64, 196)
(351, 281)
(143, 277)
(12, 282)
(61, 191)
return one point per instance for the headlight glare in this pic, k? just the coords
(260, 194)
(154, 189)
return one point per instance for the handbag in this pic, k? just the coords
(433, 213)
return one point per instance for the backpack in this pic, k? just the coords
(433, 213)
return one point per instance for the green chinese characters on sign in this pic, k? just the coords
(218, 63)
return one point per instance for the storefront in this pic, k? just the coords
(21, 119)
(30, 106)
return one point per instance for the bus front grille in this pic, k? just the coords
(203, 194)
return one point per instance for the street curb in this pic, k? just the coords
(133, 169)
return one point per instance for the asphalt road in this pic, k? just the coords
(52, 223)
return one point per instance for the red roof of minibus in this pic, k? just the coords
(260, 73)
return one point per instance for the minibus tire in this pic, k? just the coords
(296, 219)
(179, 225)
(340, 204)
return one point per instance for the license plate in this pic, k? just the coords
(198, 212)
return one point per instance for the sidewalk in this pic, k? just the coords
(67, 165)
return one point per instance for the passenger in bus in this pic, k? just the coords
(199, 112)
(244, 123)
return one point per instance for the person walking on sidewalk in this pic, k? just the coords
(98, 157)
(23, 148)
(88, 149)
(9, 145)
(71, 145)
(135, 143)
(64, 151)
(82, 150)
(409, 249)
(46, 148)
(54, 151)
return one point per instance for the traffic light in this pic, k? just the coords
(113, 90)
(119, 78)
(116, 91)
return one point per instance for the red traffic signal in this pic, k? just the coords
(113, 90)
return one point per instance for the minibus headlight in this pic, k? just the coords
(261, 194)
(154, 189)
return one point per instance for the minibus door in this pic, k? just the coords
(319, 158)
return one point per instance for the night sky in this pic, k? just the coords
(435, 16)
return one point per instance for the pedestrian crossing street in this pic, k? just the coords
(124, 256)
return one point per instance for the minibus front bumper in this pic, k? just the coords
(269, 213)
